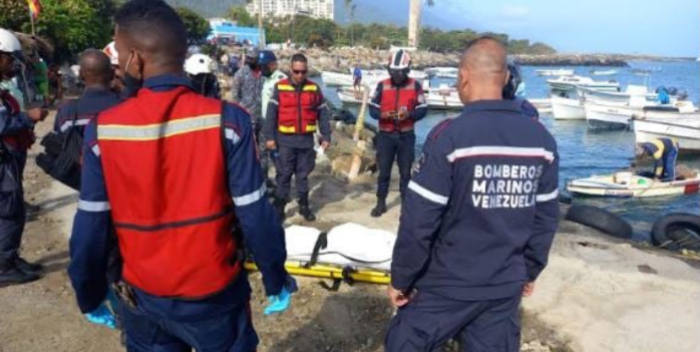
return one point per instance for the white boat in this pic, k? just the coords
(441, 98)
(627, 184)
(442, 72)
(574, 82)
(604, 72)
(567, 108)
(617, 117)
(630, 93)
(369, 77)
(559, 72)
(685, 130)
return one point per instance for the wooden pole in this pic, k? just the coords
(31, 19)
(361, 145)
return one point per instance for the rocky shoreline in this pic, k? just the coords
(343, 59)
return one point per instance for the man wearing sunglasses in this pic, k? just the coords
(294, 113)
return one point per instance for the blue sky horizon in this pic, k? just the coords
(671, 28)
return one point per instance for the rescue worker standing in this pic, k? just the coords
(477, 221)
(16, 132)
(295, 112)
(271, 76)
(664, 151)
(398, 103)
(97, 74)
(183, 285)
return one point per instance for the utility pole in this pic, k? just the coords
(414, 13)
(260, 25)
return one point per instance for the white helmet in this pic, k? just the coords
(197, 64)
(400, 60)
(9, 42)
(111, 51)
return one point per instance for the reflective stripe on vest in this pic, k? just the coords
(165, 175)
(298, 110)
(396, 99)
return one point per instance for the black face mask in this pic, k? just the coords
(253, 65)
(131, 83)
(266, 71)
(398, 78)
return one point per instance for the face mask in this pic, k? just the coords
(266, 71)
(398, 78)
(131, 83)
(253, 65)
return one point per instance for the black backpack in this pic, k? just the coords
(62, 154)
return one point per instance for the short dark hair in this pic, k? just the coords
(156, 27)
(299, 58)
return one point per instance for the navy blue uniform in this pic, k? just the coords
(399, 146)
(665, 152)
(92, 102)
(12, 211)
(295, 152)
(477, 224)
(223, 314)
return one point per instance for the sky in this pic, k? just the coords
(664, 28)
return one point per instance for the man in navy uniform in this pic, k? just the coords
(477, 221)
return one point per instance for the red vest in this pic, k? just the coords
(24, 139)
(165, 174)
(395, 100)
(298, 111)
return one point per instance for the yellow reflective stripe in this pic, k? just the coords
(310, 88)
(310, 128)
(158, 130)
(285, 87)
(287, 129)
(659, 148)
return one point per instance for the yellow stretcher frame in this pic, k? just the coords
(332, 272)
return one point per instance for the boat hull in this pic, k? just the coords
(608, 117)
(638, 187)
(685, 130)
(567, 109)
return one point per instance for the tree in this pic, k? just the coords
(198, 28)
(241, 16)
(414, 21)
(541, 49)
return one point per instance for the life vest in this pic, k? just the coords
(394, 100)
(165, 174)
(24, 139)
(298, 110)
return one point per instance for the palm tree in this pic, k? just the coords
(414, 21)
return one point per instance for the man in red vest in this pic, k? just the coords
(295, 112)
(398, 103)
(173, 173)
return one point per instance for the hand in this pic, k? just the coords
(102, 316)
(271, 145)
(528, 289)
(325, 145)
(398, 299)
(402, 115)
(281, 302)
(37, 114)
(390, 114)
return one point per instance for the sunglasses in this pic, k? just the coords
(300, 72)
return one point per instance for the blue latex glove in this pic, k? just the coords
(281, 302)
(102, 316)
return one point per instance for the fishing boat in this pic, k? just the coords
(564, 108)
(574, 82)
(627, 184)
(441, 98)
(624, 97)
(369, 77)
(604, 72)
(684, 129)
(559, 72)
(617, 117)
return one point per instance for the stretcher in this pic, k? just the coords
(349, 253)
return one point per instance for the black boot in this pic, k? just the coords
(11, 275)
(380, 208)
(279, 205)
(304, 210)
(26, 266)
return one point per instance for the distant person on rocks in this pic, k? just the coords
(477, 221)
(398, 103)
(175, 176)
(16, 137)
(664, 151)
(357, 78)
